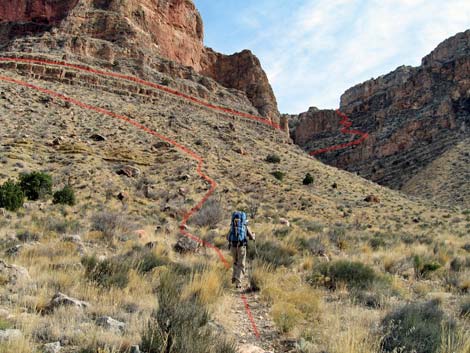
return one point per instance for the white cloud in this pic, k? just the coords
(314, 53)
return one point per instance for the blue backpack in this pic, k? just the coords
(238, 227)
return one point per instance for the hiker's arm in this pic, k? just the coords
(250, 234)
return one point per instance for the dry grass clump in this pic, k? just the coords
(208, 285)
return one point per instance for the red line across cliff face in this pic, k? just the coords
(345, 130)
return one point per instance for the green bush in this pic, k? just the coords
(271, 253)
(66, 196)
(308, 180)
(355, 275)
(273, 158)
(11, 196)
(278, 175)
(36, 185)
(415, 328)
(423, 268)
(465, 308)
(181, 325)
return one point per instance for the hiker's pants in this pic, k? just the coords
(239, 263)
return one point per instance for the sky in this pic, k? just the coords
(313, 50)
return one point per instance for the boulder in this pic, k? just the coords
(10, 335)
(186, 245)
(372, 199)
(61, 299)
(98, 138)
(13, 274)
(250, 348)
(13, 251)
(53, 347)
(111, 324)
(129, 171)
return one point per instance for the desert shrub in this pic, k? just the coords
(415, 327)
(271, 253)
(308, 180)
(210, 215)
(282, 232)
(180, 325)
(273, 158)
(107, 273)
(286, 316)
(355, 275)
(165, 81)
(27, 236)
(465, 308)
(423, 268)
(66, 196)
(457, 264)
(36, 185)
(111, 224)
(377, 243)
(278, 175)
(11, 196)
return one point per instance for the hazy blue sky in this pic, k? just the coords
(313, 50)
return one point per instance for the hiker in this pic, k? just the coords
(238, 242)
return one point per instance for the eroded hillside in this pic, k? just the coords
(132, 192)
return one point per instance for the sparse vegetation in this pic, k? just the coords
(210, 215)
(416, 327)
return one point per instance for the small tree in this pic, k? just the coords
(66, 196)
(278, 175)
(36, 185)
(308, 179)
(11, 196)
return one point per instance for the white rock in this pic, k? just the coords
(61, 299)
(53, 347)
(13, 273)
(10, 335)
(111, 324)
(249, 348)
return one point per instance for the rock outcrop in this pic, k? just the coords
(109, 30)
(412, 116)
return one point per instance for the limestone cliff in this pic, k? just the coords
(113, 29)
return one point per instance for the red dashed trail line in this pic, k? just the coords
(345, 130)
(185, 150)
(181, 148)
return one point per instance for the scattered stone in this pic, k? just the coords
(74, 238)
(53, 347)
(58, 141)
(161, 144)
(135, 349)
(10, 335)
(285, 222)
(13, 274)
(183, 191)
(239, 150)
(372, 199)
(129, 171)
(185, 177)
(61, 299)
(111, 324)
(98, 138)
(123, 196)
(249, 348)
(151, 245)
(13, 251)
(186, 245)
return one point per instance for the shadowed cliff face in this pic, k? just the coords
(113, 29)
(412, 115)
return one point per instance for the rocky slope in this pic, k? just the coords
(412, 115)
(111, 31)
